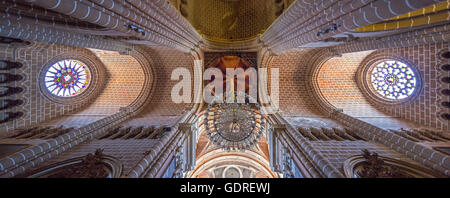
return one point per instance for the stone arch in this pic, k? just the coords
(9, 65)
(335, 87)
(88, 131)
(9, 78)
(160, 108)
(312, 66)
(334, 82)
(315, 64)
(147, 64)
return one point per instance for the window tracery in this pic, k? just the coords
(393, 80)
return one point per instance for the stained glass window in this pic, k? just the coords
(393, 80)
(67, 78)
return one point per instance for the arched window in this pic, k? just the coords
(393, 80)
(93, 165)
(7, 65)
(445, 55)
(446, 92)
(445, 67)
(13, 41)
(446, 116)
(6, 104)
(67, 78)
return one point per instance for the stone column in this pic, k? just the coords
(152, 165)
(314, 161)
(131, 19)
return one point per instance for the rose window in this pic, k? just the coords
(67, 78)
(393, 80)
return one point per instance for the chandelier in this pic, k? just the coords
(234, 126)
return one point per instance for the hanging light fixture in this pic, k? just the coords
(234, 126)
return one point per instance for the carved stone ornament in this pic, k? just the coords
(95, 165)
(371, 165)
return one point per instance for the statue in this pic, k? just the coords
(375, 167)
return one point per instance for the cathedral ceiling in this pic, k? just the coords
(436, 14)
(339, 72)
(293, 73)
(231, 20)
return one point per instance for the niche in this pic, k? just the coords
(446, 92)
(446, 104)
(446, 67)
(9, 116)
(7, 78)
(446, 79)
(445, 55)
(446, 116)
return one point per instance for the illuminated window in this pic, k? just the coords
(393, 80)
(67, 78)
